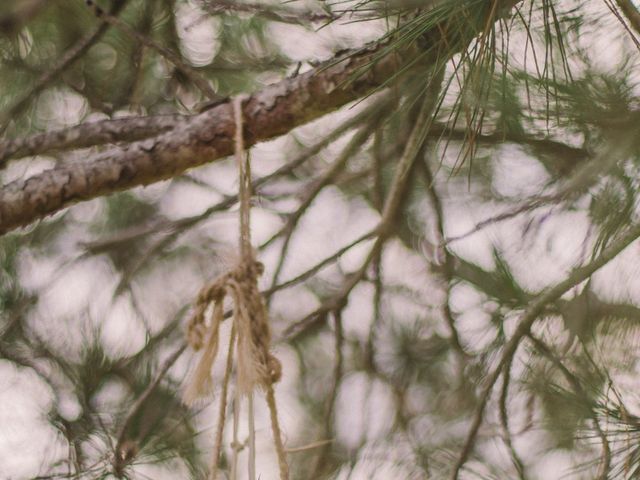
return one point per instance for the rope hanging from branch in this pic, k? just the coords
(256, 365)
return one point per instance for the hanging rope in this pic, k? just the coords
(256, 366)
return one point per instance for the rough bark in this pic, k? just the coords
(90, 134)
(208, 136)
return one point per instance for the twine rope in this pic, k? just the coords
(256, 366)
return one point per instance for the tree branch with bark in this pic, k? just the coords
(208, 136)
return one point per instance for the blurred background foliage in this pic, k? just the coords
(528, 169)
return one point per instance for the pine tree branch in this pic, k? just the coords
(208, 136)
(121, 454)
(535, 309)
(128, 129)
(202, 138)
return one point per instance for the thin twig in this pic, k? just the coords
(501, 217)
(504, 420)
(320, 265)
(321, 459)
(446, 276)
(378, 202)
(313, 191)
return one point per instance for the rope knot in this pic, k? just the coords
(274, 368)
(248, 272)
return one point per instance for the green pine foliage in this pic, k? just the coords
(526, 170)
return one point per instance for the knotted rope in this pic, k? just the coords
(256, 366)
